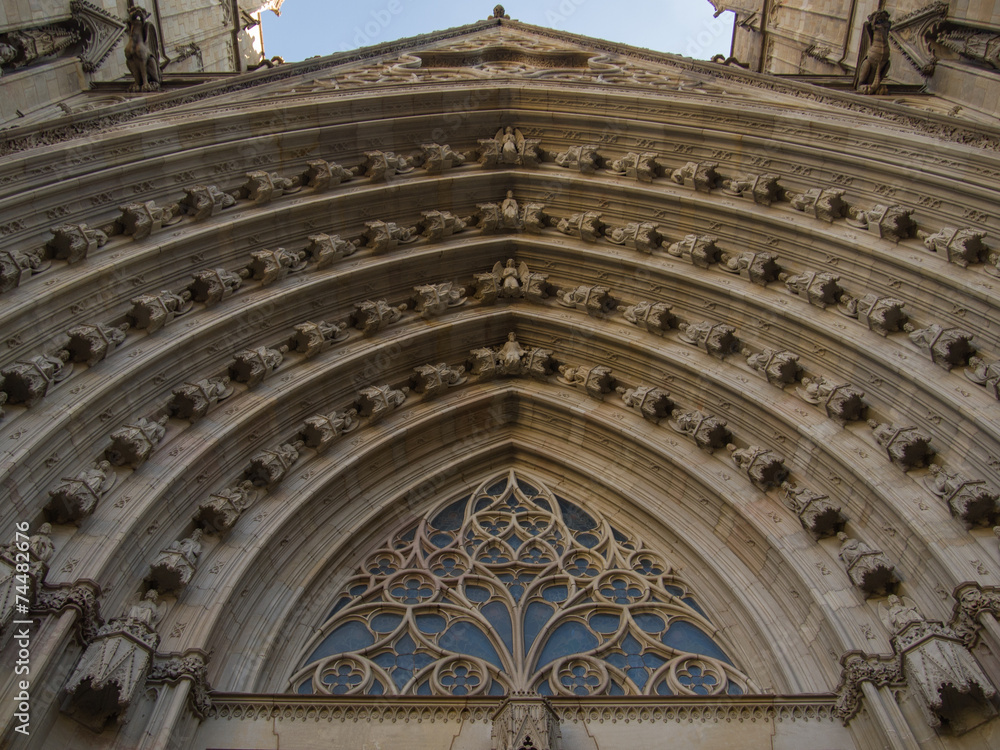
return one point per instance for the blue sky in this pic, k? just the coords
(321, 27)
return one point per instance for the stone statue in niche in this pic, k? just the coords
(765, 468)
(436, 159)
(370, 316)
(816, 513)
(322, 174)
(262, 187)
(905, 446)
(718, 339)
(875, 47)
(511, 281)
(376, 401)
(652, 403)
(509, 147)
(112, 671)
(270, 466)
(269, 266)
(192, 401)
(175, 566)
(151, 312)
(595, 379)
(708, 432)
(433, 379)
(583, 159)
(223, 508)
(654, 317)
(437, 225)
(968, 500)
(381, 165)
(72, 242)
(312, 338)
(884, 315)
(142, 51)
(203, 201)
(27, 381)
(842, 401)
(510, 359)
(763, 188)
(941, 674)
(868, 568)
(17, 266)
(133, 443)
(214, 285)
(436, 299)
(321, 430)
(779, 367)
(948, 347)
(698, 249)
(644, 237)
(825, 204)
(23, 566)
(251, 366)
(594, 300)
(699, 175)
(75, 498)
(587, 226)
(325, 249)
(891, 223)
(139, 220)
(757, 268)
(91, 344)
(381, 236)
(820, 289)
(642, 167)
(986, 374)
(959, 246)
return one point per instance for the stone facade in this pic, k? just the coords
(266, 337)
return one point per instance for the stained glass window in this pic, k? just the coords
(513, 588)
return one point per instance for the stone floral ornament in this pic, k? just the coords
(23, 565)
(112, 671)
(940, 672)
(868, 568)
(816, 513)
(511, 281)
(223, 508)
(509, 148)
(708, 432)
(972, 501)
(176, 564)
(75, 498)
(818, 288)
(513, 590)
(511, 359)
(841, 401)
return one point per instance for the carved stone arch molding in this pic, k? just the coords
(256, 328)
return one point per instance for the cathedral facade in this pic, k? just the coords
(503, 388)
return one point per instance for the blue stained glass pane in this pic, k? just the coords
(526, 488)
(341, 603)
(568, 638)
(605, 623)
(450, 519)
(662, 689)
(544, 689)
(694, 605)
(408, 536)
(734, 689)
(358, 590)
(376, 689)
(424, 688)
(556, 594)
(465, 638)
(541, 502)
(684, 636)
(495, 689)
(497, 488)
(587, 540)
(575, 517)
(441, 540)
(429, 624)
(638, 676)
(653, 661)
(305, 688)
(675, 590)
(482, 504)
(499, 618)
(616, 660)
(385, 623)
(351, 636)
(619, 537)
(535, 617)
(651, 623)
(477, 593)
(615, 689)
(515, 541)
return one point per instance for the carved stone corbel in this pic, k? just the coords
(375, 401)
(594, 300)
(884, 315)
(644, 237)
(891, 223)
(269, 266)
(436, 299)
(312, 338)
(510, 359)
(72, 242)
(868, 568)
(654, 317)
(652, 403)
(75, 498)
(203, 201)
(133, 443)
(435, 158)
(28, 381)
(23, 565)
(140, 220)
(638, 166)
(959, 246)
(905, 446)
(263, 187)
(436, 225)
(857, 668)
(967, 499)
(151, 312)
(583, 159)
(223, 508)
(763, 466)
(825, 204)
(707, 431)
(986, 374)
(192, 401)
(972, 601)
(270, 466)
(372, 316)
(433, 379)
(718, 339)
(322, 174)
(842, 401)
(816, 513)
(212, 286)
(325, 249)
(252, 366)
(698, 249)
(82, 596)
(586, 226)
(381, 236)
(757, 268)
(948, 347)
(699, 175)
(17, 266)
(781, 368)
(92, 343)
(597, 380)
(762, 188)
(382, 165)
(192, 665)
(820, 289)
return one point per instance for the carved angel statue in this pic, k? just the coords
(509, 146)
(510, 281)
(142, 51)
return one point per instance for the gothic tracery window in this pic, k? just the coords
(513, 588)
